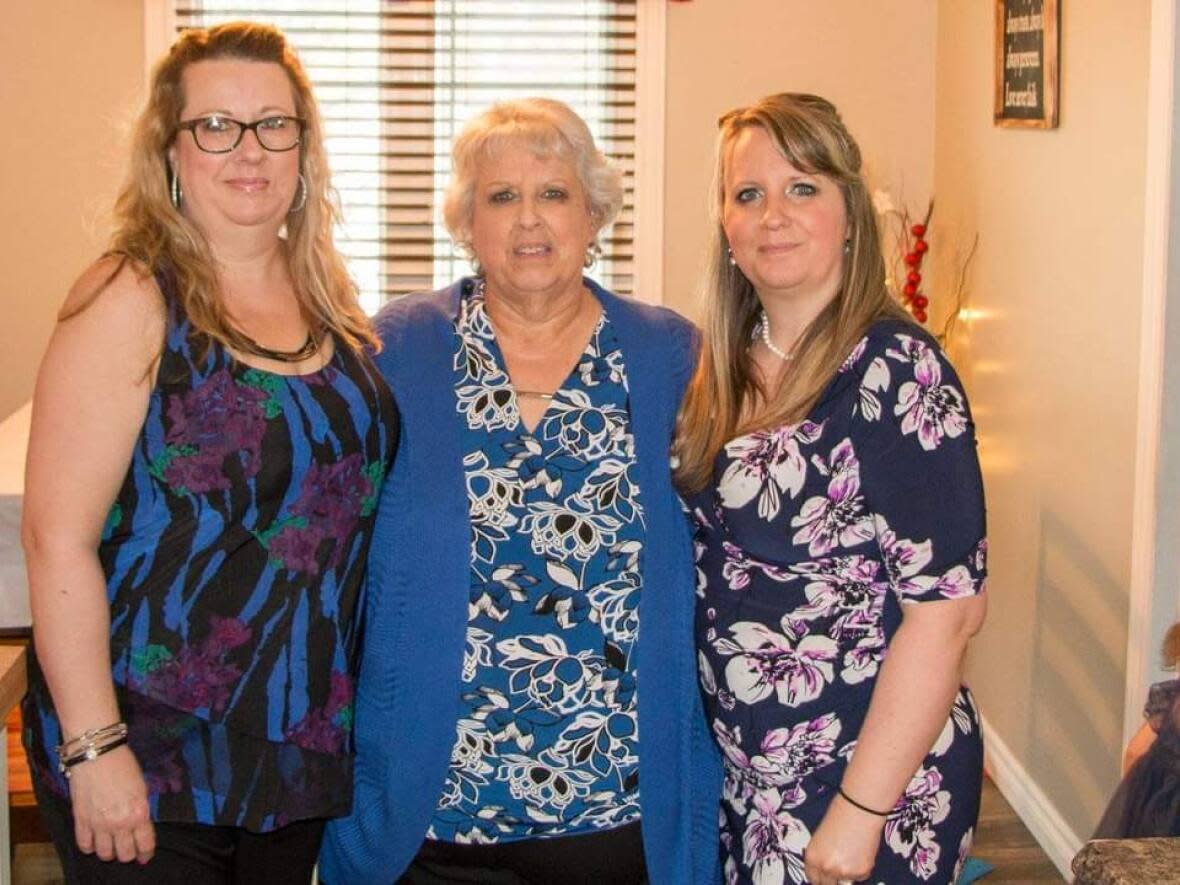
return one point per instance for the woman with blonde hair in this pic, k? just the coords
(828, 456)
(209, 438)
(528, 709)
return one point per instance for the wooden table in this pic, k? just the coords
(12, 689)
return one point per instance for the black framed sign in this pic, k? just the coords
(1027, 59)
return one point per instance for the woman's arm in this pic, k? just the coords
(919, 679)
(90, 402)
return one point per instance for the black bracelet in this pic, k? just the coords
(89, 754)
(863, 808)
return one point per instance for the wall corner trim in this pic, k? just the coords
(1029, 802)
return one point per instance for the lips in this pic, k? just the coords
(777, 248)
(532, 250)
(250, 185)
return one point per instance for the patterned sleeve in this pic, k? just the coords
(919, 468)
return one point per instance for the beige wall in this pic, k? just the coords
(875, 61)
(71, 73)
(1052, 368)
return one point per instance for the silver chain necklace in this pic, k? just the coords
(764, 334)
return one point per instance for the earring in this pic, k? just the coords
(848, 245)
(729, 254)
(592, 253)
(302, 195)
(174, 191)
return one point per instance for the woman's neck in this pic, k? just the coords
(539, 319)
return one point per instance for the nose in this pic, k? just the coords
(775, 212)
(528, 216)
(250, 148)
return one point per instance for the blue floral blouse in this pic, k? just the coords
(810, 540)
(234, 555)
(546, 736)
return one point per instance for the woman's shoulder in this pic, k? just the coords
(120, 300)
(416, 308)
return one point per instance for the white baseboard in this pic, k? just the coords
(1030, 803)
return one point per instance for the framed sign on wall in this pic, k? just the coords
(1027, 61)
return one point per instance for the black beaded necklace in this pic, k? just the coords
(309, 348)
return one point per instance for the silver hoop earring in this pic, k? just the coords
(174, 191)
(592, 253)
(302, 195)
(476, 267)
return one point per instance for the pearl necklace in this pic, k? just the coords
(764, 334)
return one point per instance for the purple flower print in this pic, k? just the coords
(765, 663)
(789, 754)
(933, 409)
(219, 418)
(774, 839)
(198, 677)
(331, 500)
(837, 519)
(909, 831)
(766, 464)
(739, 567)
(324, 730)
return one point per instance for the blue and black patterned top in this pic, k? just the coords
(547, 734)
(234, 555)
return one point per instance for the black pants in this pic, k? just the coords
(191, 854)
(612, 857)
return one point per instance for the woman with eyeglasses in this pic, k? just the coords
(209, 439)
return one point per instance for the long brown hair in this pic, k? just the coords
(154, 235)
(809, 133)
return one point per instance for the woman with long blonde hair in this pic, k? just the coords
(209, 438)
(827, 452)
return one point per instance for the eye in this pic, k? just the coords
(501, 196)
(275, 124)
(216, 124)
(554, 193)
(747, 194)
(803, 189)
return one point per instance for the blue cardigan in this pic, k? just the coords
(407, 700)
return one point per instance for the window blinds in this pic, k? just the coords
(397, 79)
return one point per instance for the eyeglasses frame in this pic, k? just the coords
(191, 126)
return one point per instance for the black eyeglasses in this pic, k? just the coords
(216, 134)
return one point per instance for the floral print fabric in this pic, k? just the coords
(546, 736)
(813, 538)
(234, 556)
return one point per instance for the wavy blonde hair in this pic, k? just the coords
(719, 404)
(548, 128)
(154, 235)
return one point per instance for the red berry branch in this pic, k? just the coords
(915, 250)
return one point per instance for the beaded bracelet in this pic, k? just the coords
(863, 808)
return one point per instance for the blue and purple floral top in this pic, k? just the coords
(811, 539)
(234, 556)
(547, 734)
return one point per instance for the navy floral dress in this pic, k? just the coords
(812, 538)
(546, 739)
(234, 555)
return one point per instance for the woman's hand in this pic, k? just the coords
(844, 846)
(111, 808)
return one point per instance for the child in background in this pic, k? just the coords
(1147, 802)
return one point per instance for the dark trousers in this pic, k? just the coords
(191, 854)
(611, 857)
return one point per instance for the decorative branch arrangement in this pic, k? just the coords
(910, 247)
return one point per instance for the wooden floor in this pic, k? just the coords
(1003, 841)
